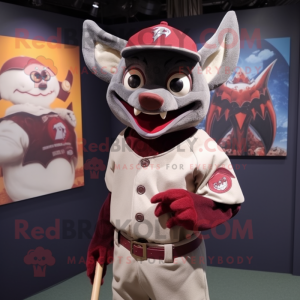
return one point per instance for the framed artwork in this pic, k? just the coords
(248, 115)
(40, 119)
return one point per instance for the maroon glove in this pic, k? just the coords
(101, 246)
(192, 211)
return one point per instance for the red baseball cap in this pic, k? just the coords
(164, 37)
(18, 63)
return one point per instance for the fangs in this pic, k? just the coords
(136, 112)
(162, 115)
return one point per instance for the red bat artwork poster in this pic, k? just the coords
(248, 114)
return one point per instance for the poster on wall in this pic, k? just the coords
(40, 119)
(248, 114)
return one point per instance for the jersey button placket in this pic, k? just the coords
(139, 217)
(145, 162)
(141, 190)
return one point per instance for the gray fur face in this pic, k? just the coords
(157, 67)
(179, 84)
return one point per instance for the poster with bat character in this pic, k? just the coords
(248, 114)
(40, 119)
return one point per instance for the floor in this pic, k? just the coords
(224, 284)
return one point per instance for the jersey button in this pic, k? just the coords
(145, 162)
(141, 189)
(139, 217)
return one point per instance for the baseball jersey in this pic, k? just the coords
(50, 137)
(197, 165)
(38, 152)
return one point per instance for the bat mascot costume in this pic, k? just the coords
(167, 181)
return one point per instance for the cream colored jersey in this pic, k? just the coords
(32, 179)
(133, 180)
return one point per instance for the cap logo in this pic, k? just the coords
(159, 31)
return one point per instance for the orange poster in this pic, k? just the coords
(40, 119)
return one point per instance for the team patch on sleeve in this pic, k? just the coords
(220, 181)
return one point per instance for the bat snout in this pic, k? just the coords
(150, 101)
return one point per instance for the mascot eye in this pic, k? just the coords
(46, 76)
(35, 77)
(133, 79)
(179, 84)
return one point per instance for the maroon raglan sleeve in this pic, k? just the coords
(101, 246)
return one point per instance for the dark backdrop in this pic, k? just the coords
(75, 209)
(269, 215)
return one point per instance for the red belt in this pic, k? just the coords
(142, 251)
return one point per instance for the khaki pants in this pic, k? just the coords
(184, 279)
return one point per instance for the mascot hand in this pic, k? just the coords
(103, 255)
(67, 115)
(180, 204)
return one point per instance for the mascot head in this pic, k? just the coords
(158, 81)
(29, 80)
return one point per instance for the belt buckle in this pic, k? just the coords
(143, 245)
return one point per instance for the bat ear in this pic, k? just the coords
(101, 50)
(220, 54)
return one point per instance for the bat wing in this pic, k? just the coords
(217, 120)
(264, 115)
(264, 121)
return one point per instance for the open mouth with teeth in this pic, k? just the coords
(154, 122)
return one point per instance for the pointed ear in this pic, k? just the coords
(220, 54)
(101, 50)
